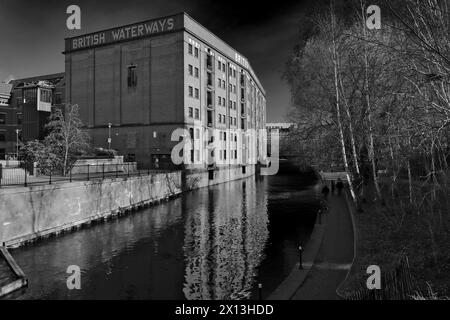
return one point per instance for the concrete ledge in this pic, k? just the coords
(19, 280)
(287, 289)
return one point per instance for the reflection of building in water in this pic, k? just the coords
(224, 243)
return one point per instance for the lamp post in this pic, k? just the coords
(109, 135)
(17, 144)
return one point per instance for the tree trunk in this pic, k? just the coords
(369, 111)
(338, 112)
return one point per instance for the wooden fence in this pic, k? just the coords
(396, 284)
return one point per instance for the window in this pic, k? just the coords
(235, 154)
(220, 118)
(2, 136)
(196, 72)
(219, 83)
(19, 118)
(220, 100)
(191, 91)
(132, 76)
(224, 136)
(197, 155)
(209, 118)
(223, 102)
(218, 64)
(190, 70)
(191, 133)
(234, 88)
(230, 87)
(46, 96)
(234, 73)
(230, 71)
(224, 154)
(58, 99)
(224, 85)
(230, 104)
(234, 105)
(196, 93)
(197, 113)
(191, 112)
(190, 48)
(2, 118)
(196, 52)
(223, 67)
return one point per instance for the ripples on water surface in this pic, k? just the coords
(212, 243)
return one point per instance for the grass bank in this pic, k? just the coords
(385, 232)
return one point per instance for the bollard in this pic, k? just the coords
(320, 216)
(300, 249)
(259, 291)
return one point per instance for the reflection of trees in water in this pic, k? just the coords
(224, 242)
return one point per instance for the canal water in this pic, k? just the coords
(211, 243)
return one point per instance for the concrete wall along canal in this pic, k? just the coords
(27, 213)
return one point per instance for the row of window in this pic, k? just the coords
(231, 71)
(197, 113)
(232, 120)
(191, 71)
(192, 51)
(191, 92)
(221, 102)
(221, 83)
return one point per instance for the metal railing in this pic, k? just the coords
(35, 175)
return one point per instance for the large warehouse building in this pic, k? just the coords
(136, 84)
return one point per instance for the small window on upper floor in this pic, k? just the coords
(190, 48)
(58, 99)
(2, 118)
(132, 76)
(196, 52)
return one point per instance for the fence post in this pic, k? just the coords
(25, 183)
(128, 169)
(50, 177)
(1, 174)
(88, 172)
(103, 171)
(70, 175)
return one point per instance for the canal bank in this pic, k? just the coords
(34, 212)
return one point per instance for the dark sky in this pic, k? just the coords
(32, 33)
